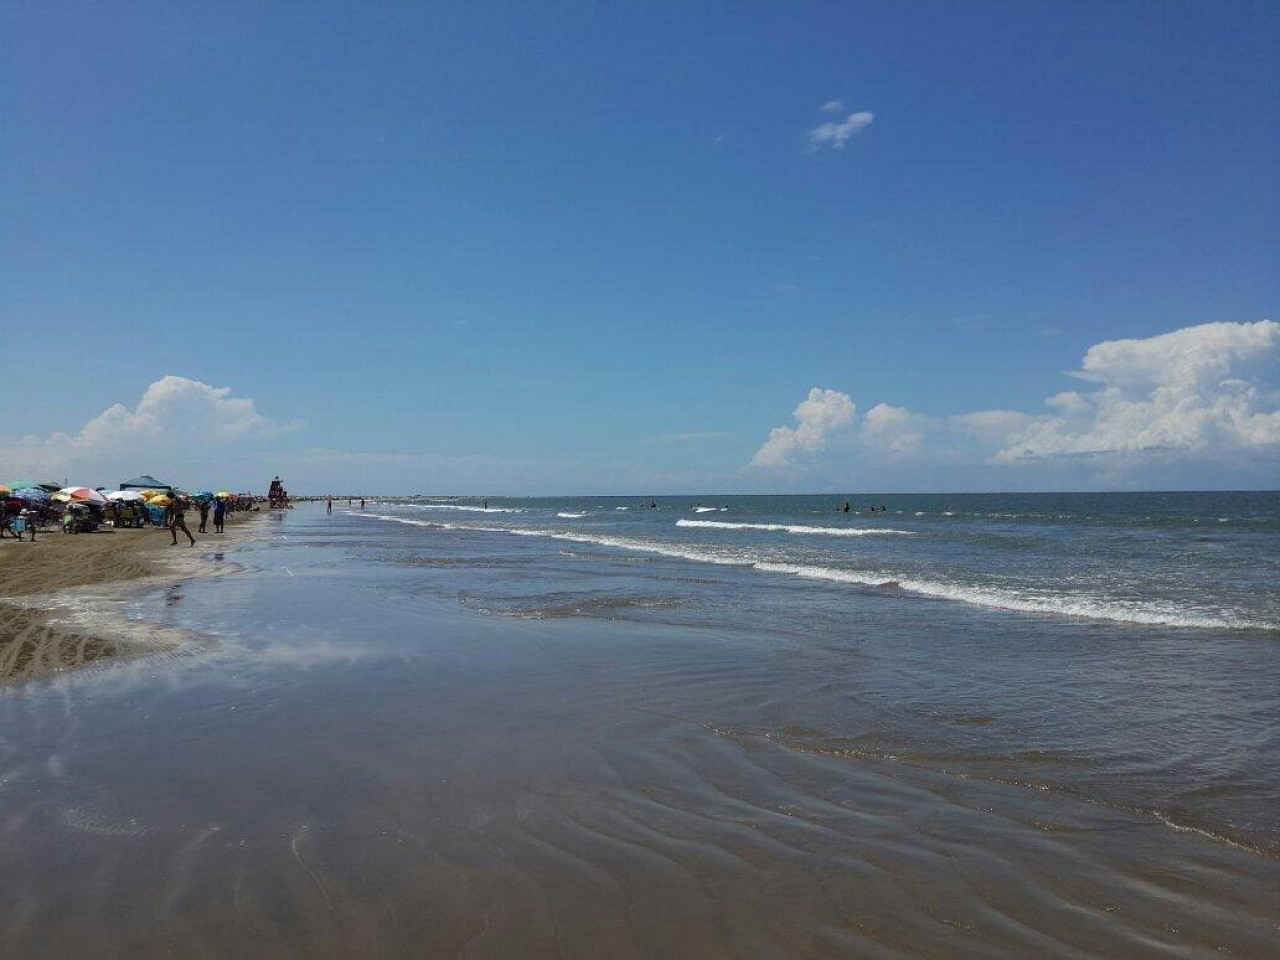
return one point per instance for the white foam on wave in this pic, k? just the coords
(1091, 608)
(463, 507)
(705, 509)
(794, 528)
(570, 516)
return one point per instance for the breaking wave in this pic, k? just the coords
(794, 528)
(463, 507)
(1066, 605)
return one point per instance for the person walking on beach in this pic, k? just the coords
(178, 521)
(204, 516)
(362, 503)
(329, 509)
(219, 515)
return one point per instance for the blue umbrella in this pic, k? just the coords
(34, 494)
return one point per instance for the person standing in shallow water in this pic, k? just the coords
(329, 509)
(219, 515)
(204, 516)
(178, 520)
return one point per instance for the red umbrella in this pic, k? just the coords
(83, 494)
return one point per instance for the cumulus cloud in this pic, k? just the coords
(1195, 390)
(834, 134)
(177, 407)
(832, 106)
(173, 413)
(819, 416)
(1199, 397)
(895, 429)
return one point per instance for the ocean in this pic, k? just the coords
(714, 726)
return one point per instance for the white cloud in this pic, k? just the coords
(989, 427)
(175, 407)
(836, 133)
(1203, 399)
(895, 429)
(173, 417)
(832, 106)
(1195, 390)
(823, 413)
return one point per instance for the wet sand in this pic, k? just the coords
(42, 578)
(356, 764)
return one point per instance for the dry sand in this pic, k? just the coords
(34, 577)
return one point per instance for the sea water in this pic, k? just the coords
(732, 726)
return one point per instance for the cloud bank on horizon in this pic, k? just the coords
(1203, 398)
(1203, 395)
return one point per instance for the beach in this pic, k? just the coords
(51, 573)
(533, 729)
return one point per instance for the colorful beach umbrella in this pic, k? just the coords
(126, 495)
(82, 494)
(224, 495)
(31, 494)
(5, 491)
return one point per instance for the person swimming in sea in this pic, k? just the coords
(846, 507)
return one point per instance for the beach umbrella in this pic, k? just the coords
(148, 494)
(160, 500)
(31, 495)
(5, 491)
(125, 495)
(224, 495)
(48, 486)
(82, 494)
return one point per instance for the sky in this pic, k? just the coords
(641, 248)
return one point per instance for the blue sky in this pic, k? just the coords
(581, 249)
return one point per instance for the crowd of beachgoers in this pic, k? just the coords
(29, 507)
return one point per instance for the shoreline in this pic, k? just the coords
(52, 593)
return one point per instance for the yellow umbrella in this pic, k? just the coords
(4, 491)
(223, 495)
(148, 494)
(160, 500)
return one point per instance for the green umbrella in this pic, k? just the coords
(49, 485)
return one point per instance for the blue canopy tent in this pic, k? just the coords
(144, 482)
